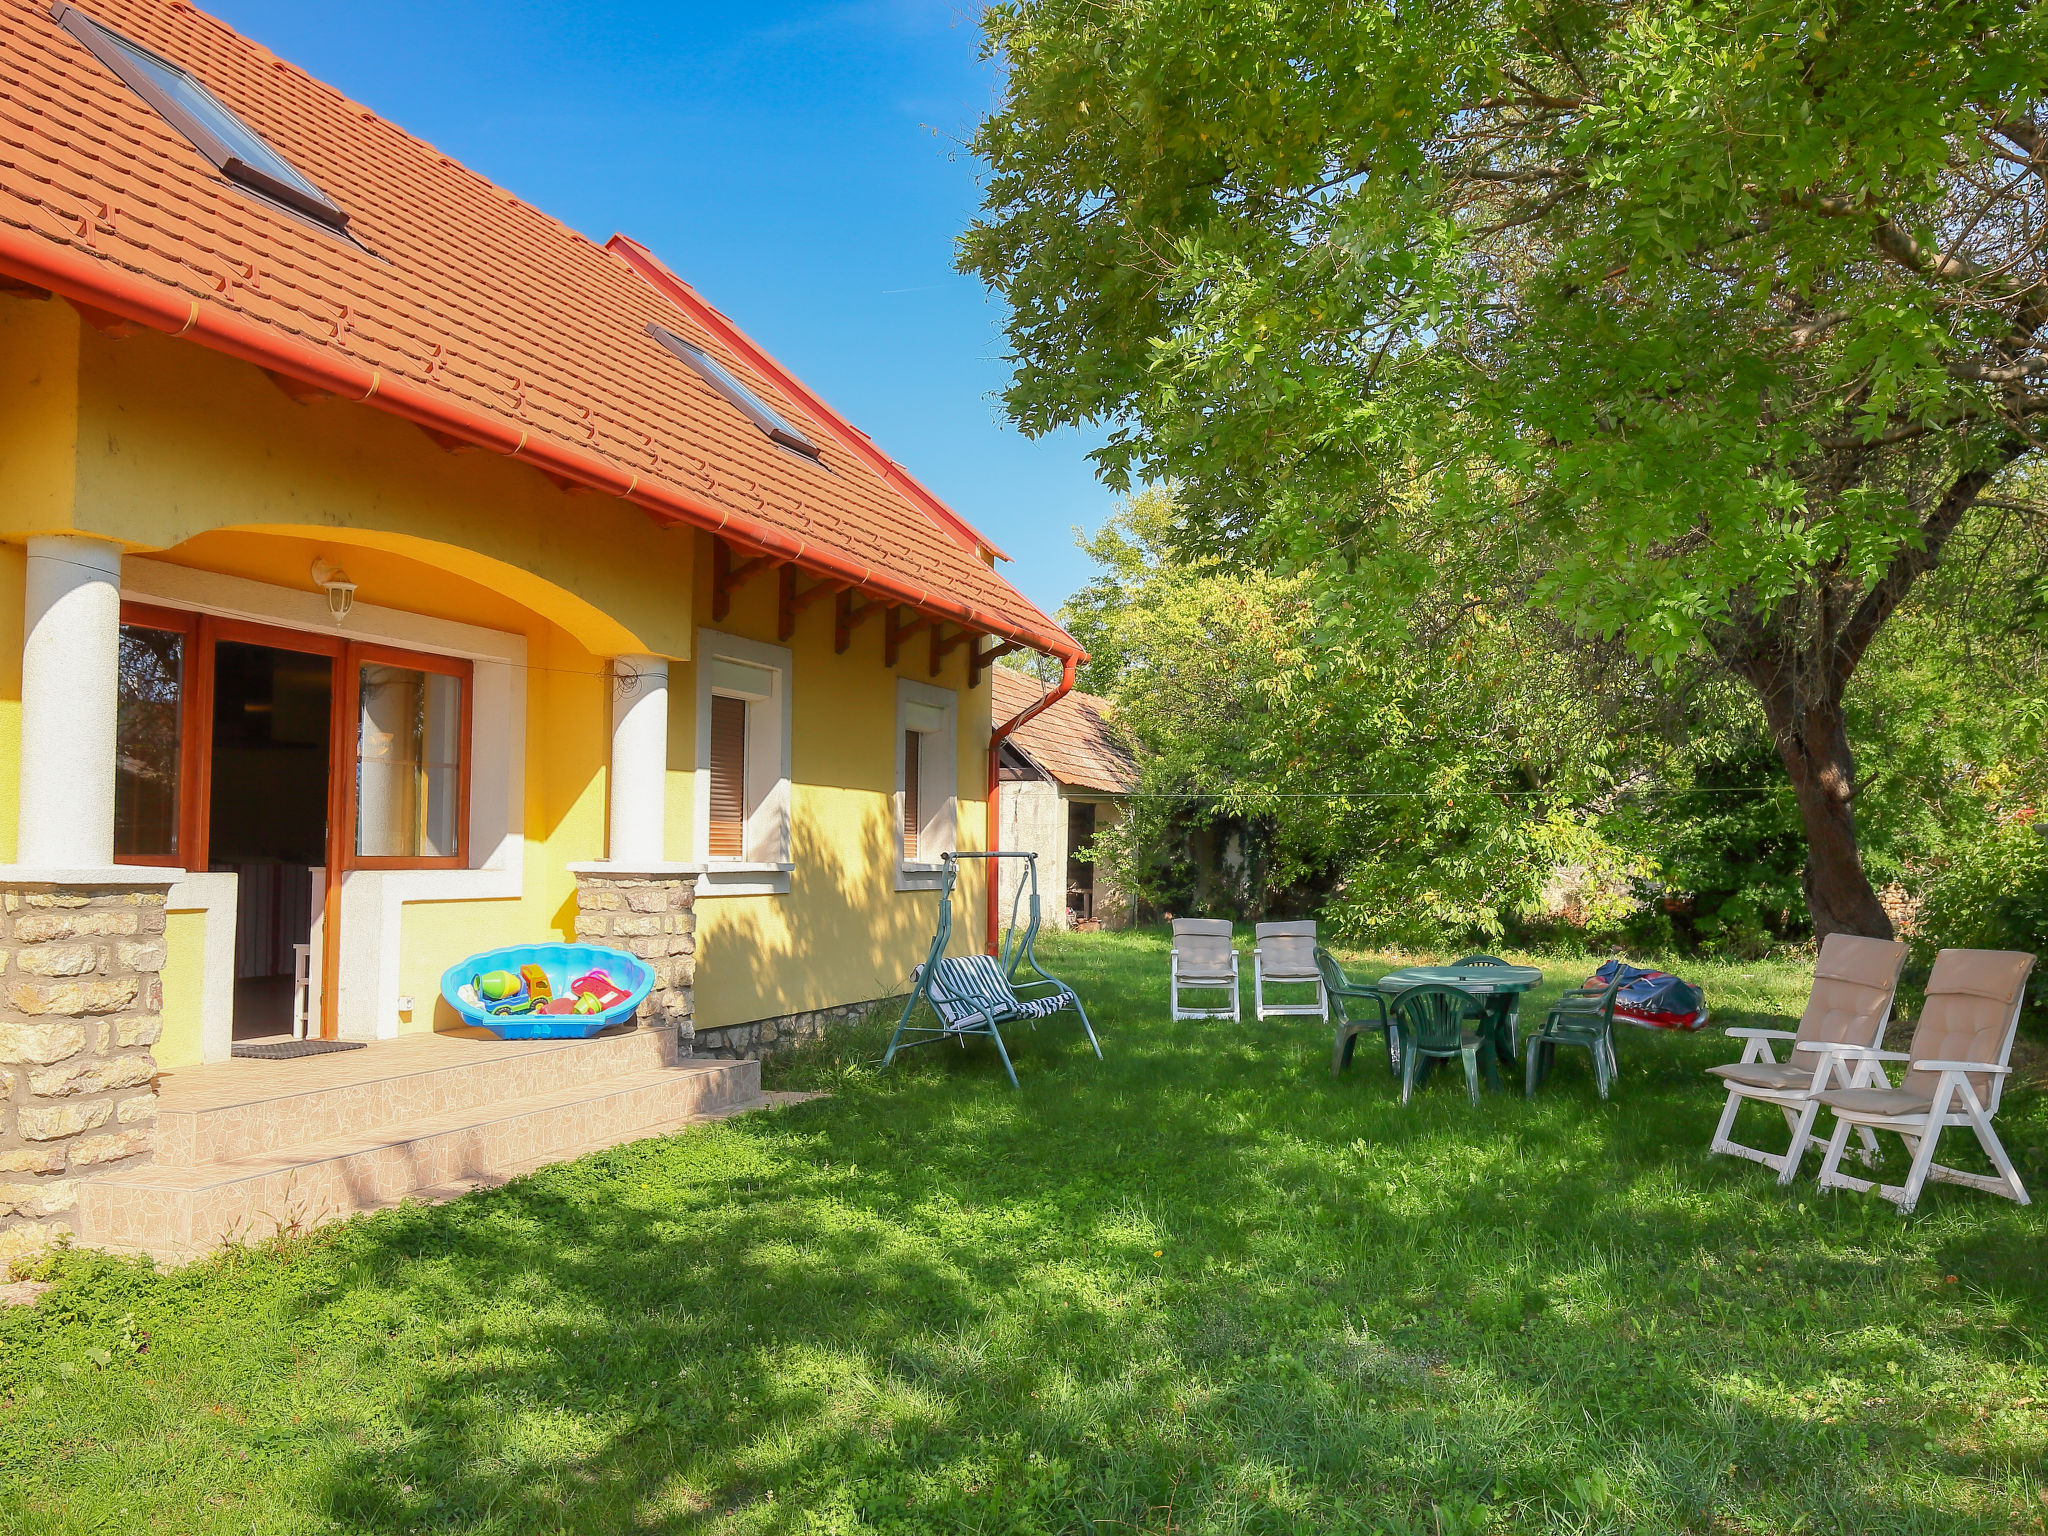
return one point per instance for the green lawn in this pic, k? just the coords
(1196, 1288)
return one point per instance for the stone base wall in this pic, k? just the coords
(655, 919)
(762, 1038)
(80, 1004)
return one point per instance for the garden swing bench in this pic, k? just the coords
(976, 994)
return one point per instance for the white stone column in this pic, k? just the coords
(70, 676)
(639, 760)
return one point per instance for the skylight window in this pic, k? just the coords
(236, 149)
(749, 404)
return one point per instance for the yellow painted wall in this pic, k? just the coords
(195, 459)
(184, 988)
(39, 341)
(39, 349)
(843, 933)
(175, 441)
(13, 578)
(567, 739)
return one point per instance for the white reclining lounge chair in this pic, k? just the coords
(1284, 954)
(1956, 1071)
(1203, 959)
(1854, 981)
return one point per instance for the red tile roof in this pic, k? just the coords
(477, 316)
(1072, 740)
(649, 266)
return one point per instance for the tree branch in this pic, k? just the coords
(1909, 564)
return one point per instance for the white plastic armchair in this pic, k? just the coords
(1854, 982)
(1284, 954)
(1203, 960)
(1956, 1064)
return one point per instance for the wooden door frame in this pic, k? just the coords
(204, 632)
(193, 678)
(365, 652)
(343, 806)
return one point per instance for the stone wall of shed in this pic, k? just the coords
(1034, 820)
(80, 1004)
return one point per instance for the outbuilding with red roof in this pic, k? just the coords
(1066, 774)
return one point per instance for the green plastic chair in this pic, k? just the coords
(1343, 991)
(1585, 1018)
(1431, 1024)
(1514, 1002)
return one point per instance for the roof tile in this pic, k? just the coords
(463, 289)
(1073, 739)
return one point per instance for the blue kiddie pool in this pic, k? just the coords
(563, 964)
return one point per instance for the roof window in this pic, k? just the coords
(236, 149)
(749, 404)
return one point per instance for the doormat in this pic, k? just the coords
(283, 1050)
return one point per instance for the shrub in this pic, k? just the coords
(1991, 893)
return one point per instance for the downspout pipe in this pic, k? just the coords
(1068, 663)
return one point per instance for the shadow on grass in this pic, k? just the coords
(1197, 1287)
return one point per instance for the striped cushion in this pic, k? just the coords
(956, 999)
(994, 983)
(970, 991)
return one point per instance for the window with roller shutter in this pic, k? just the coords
(927, 810)
(912, 752)
(728, 839)
(742, 789)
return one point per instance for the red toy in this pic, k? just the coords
(600, 986)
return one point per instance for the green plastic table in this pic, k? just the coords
(1496, 986)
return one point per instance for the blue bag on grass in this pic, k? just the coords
(1653, 999)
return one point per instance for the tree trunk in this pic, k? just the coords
(1813, 741)
(1799, 653)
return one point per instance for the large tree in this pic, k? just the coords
(1713, 319)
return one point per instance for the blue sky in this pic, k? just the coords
(802, 165)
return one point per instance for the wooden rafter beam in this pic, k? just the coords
(727, 578)
(849, 614)
(790, 602)
(106, 322)
(448, 442)
(942, 647)
(979, 661)
(297, 389)
(894, 634)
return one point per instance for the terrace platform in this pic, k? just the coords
(248, 1148)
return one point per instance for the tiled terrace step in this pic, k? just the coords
(182, 1211)
(244, 1108)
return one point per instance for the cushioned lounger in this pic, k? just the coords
(1854, 981)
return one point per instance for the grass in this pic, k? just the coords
(1198, 1287)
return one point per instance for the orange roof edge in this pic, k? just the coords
(671, 287)
(85, 279)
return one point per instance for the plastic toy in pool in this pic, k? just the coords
(547, 991)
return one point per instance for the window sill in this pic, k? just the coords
(739, 878)
(919, 876)
(91, 874)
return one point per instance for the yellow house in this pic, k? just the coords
(401, 575)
